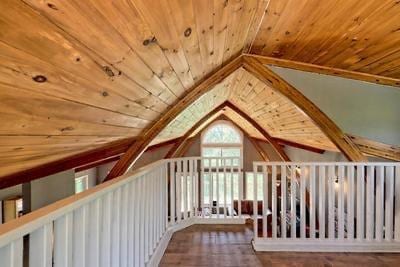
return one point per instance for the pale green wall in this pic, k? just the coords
(359, 108)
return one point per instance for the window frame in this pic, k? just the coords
(223, 145)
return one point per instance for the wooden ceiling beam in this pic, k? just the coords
(298, 145)
(109, 150)
(327, 126)
(278, 149)
(297, 65)
(134, 152)
(377, 149)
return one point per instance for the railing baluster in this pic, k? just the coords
(312, 206)
(397, 205)
(105, 237)
(283, 201)
(341, 202)
(370, 203)
(178, 182)
(350, 202)
(331, 202)
(211, 184)
(80, 227)
(192, 197)
(202, 187)
(140, 218)
(255, 203)
(274, 202)
(321, 201)
(232, 191)
(379, 205)
(116, 228)
(218, 187)
(11, 255)
(265, 199)
(303, 202)
(131, 224)
(224, 168)
(240, 185)
(185, 189)
(293, 215)
(360, 202)
(172, 191)
(40, 246)
(389, 203)
(124, 213)
(63, 241)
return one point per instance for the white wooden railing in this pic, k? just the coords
(123, 222)
(327, 207)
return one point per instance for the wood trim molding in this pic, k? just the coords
(172, 152)
(134, 152)
(327, 126)
(374, 148)
(355, 75)
(109, 150)
(269, 138)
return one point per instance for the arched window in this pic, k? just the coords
(223, 140)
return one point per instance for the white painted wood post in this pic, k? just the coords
(321, 201)
(283, 201)
(303, 202)
(274, 202)
(350, 202)
(265, 200)
(255, 202)
(11, 255)
(389, 181)
(293, 201)
(360, 203)
(370, 203)
(63, 241)
(397, 205)
(331, 202)
(312, 206)
(379, 204)
(40, 246)
(341, 202)
(80, 228)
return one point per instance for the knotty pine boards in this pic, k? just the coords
(274, 112)
(348, 34)
(109, 69)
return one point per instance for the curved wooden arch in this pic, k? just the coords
(184, 143)
(322, 121)
(252, 65)
(278, 149)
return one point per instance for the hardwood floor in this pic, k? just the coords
(229, 245)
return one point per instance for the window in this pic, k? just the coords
(222, 140)
(81, 183)
(221, 147)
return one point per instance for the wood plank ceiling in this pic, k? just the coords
(355, 35)
(78, 74)
(75, 75)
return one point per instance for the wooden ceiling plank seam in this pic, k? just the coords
(255, 25)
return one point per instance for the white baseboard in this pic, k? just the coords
(269, 244)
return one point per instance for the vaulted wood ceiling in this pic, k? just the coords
(75, 75)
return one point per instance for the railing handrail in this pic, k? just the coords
(25, 224)
(275, 163)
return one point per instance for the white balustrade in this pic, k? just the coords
(328, 207)
(129, 221)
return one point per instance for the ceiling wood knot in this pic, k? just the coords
(188, 32)
(39, 78)
(52, 6)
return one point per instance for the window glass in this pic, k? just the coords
(81, 184)
(222, 133)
